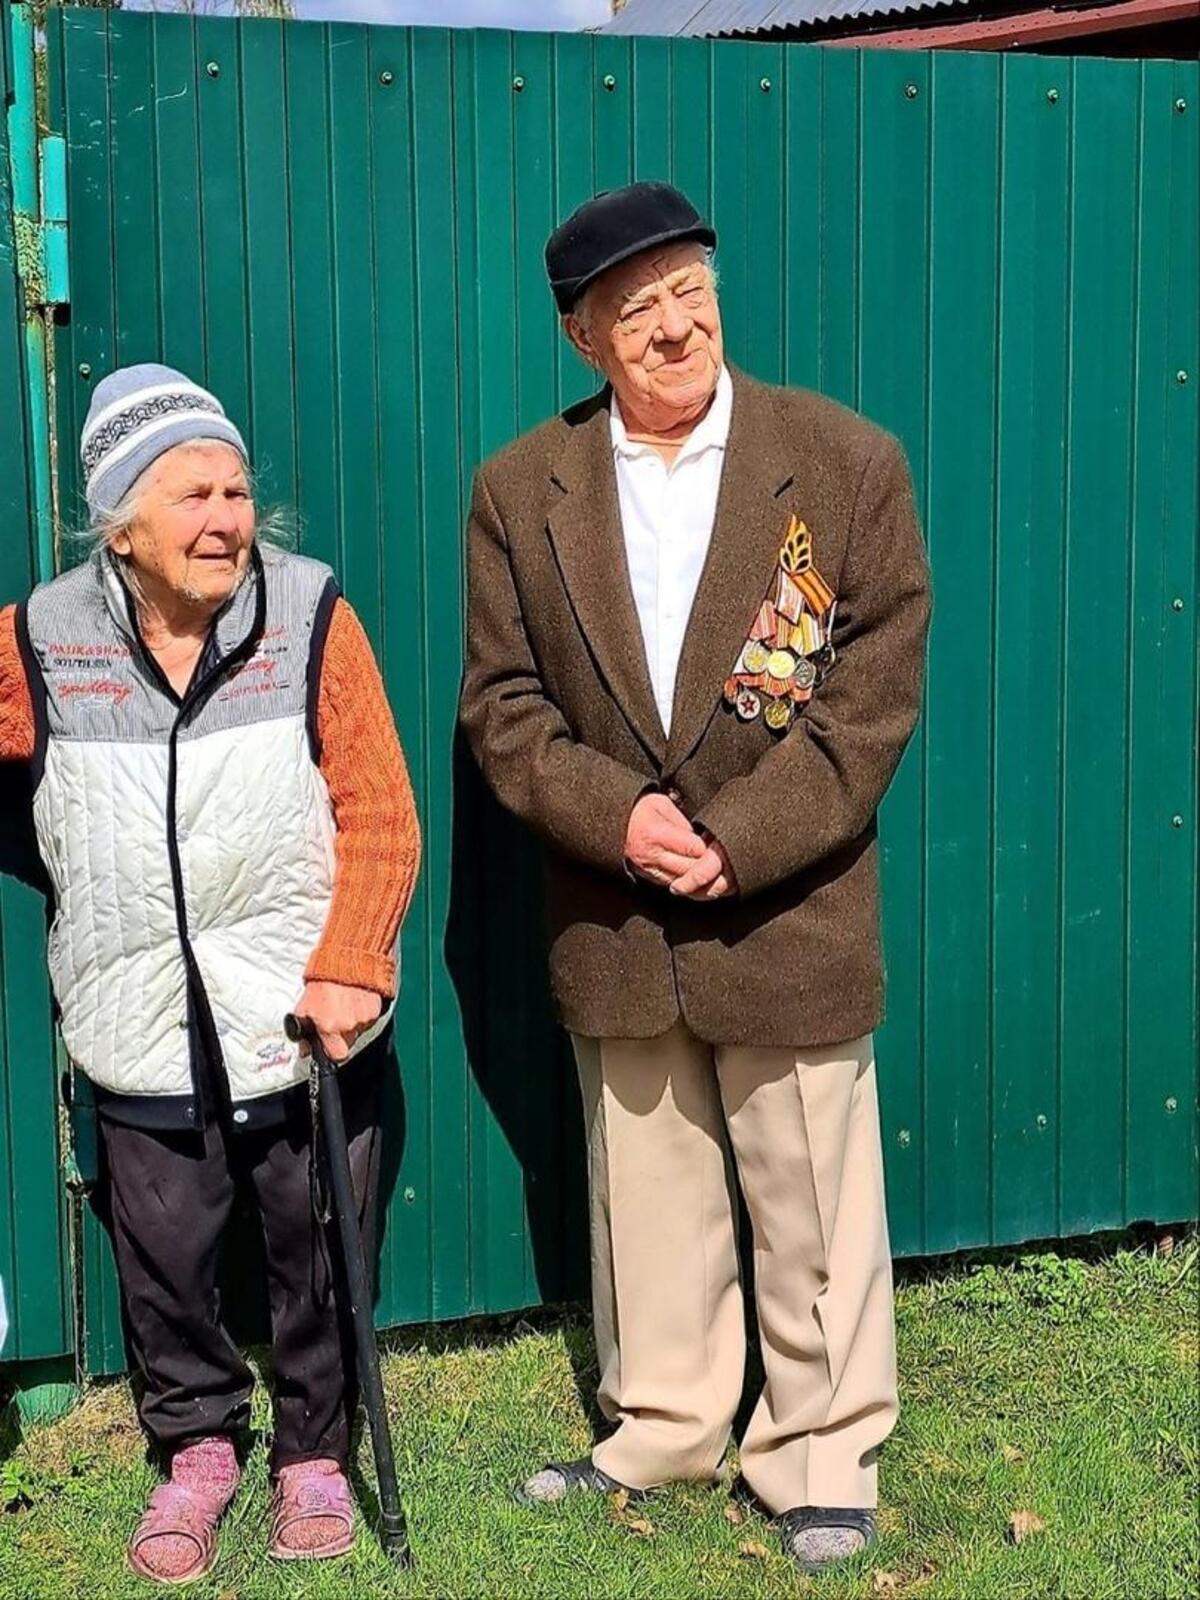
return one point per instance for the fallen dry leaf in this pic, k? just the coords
(885, 1582)
(1011, 1453)
(734, 1515)
(622, 1516)
(753, 1551)
(1022, 1524)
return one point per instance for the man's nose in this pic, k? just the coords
(675, 324)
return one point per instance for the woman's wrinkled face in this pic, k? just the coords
(194, 526)
(653, 327)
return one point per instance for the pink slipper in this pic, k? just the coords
(176, 1540)
(313, 1514)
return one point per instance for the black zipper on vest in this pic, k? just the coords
(201, 686)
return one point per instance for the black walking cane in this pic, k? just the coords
(327, 1104)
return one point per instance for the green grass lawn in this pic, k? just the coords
(1061, 1386)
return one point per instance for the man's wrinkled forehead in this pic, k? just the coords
(631, 278)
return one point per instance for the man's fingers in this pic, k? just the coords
(679, 841)
(671, 865)
(699, 875)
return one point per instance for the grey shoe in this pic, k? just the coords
(814, 1537)
(559, 1478)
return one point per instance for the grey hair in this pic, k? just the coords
(582, 310)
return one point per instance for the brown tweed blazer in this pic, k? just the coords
(559, 711)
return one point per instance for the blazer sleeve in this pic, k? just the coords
(577, 798)
(818, 789)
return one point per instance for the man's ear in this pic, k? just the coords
(575, 331)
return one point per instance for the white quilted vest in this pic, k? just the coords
(182, 836)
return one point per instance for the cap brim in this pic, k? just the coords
(573, 290)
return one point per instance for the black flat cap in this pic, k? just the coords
(614, 226)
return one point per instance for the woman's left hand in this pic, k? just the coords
(339, 1013)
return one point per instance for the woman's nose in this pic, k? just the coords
(222, 518)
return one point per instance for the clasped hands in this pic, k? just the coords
(662, 847)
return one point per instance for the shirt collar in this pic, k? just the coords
(710, 433)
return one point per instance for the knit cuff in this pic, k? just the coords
(358, 969)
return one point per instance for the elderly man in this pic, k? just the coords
(697, 617)
(224, 812)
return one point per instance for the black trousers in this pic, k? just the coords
(172, 1195)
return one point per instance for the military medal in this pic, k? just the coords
(777, 715)
(806, 673)
(748, 705)
(788, 650)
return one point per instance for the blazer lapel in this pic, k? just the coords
(749, 528)
(585, 530)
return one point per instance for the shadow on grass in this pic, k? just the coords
(1092, 1248)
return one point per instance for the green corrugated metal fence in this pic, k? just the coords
(33, 1256)
(340, 230)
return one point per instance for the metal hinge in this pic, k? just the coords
(42, 240)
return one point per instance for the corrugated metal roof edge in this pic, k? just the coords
(634, 21)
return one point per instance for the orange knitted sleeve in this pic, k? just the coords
(378, 845)
(16, 703)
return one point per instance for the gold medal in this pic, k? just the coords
(777, 715)
(756, 656)
(781, 663)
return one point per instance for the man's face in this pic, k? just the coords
(653, 326)
(194, 527)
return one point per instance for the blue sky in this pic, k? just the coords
(550, 15)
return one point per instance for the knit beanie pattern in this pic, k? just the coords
(137, 414)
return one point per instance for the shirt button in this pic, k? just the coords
(241, 1116)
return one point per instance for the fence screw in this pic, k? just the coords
(410, 1195)
(1181, 106)
(765, 85)
(386, 77)
(1177, 603)
(85, 371)
(1177, 821)
(610, 83)
(911, 91)
(1042, 1119)
(213, 70)
(1172, 1103)
(518, 83)
(904, 1138)
(1181, 376)
(1052, 96)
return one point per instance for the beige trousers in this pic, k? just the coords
(666, 1120)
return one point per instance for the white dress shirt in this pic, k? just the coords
(667, 519)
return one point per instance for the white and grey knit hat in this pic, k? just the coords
(136, 415)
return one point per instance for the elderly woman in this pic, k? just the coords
(224, 812)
